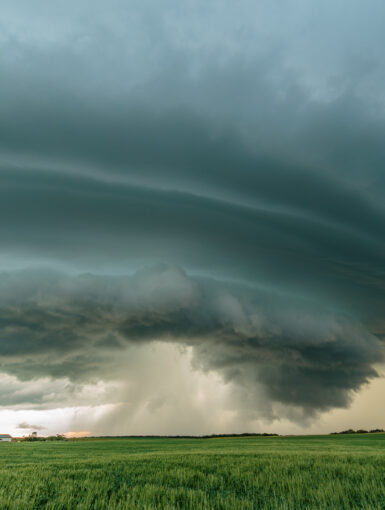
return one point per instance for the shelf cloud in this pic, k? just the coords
(202, 176)
(76, 327)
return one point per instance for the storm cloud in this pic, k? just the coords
(202, 175)
(58, 326)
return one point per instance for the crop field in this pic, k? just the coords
(314, 472)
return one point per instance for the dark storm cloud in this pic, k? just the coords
(69, 217)
(76, 327)
(244, 150)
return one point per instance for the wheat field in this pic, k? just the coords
(313, 472)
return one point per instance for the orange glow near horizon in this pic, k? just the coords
(77, 433)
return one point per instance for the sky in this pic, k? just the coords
(192, 216)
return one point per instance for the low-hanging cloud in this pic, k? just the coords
(29, 426)
(76, 327)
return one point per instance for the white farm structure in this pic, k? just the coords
(5, 437)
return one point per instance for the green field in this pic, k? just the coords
(344, 471)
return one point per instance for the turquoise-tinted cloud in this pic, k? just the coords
(218, 140)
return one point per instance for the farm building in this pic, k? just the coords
(5, 437)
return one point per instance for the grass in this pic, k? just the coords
(314, 472)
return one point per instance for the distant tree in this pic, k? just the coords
(359, 431)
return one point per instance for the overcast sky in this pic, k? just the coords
(192, 216)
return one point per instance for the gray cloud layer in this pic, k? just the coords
(76, 327)
(214, 139)
(28, 426)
